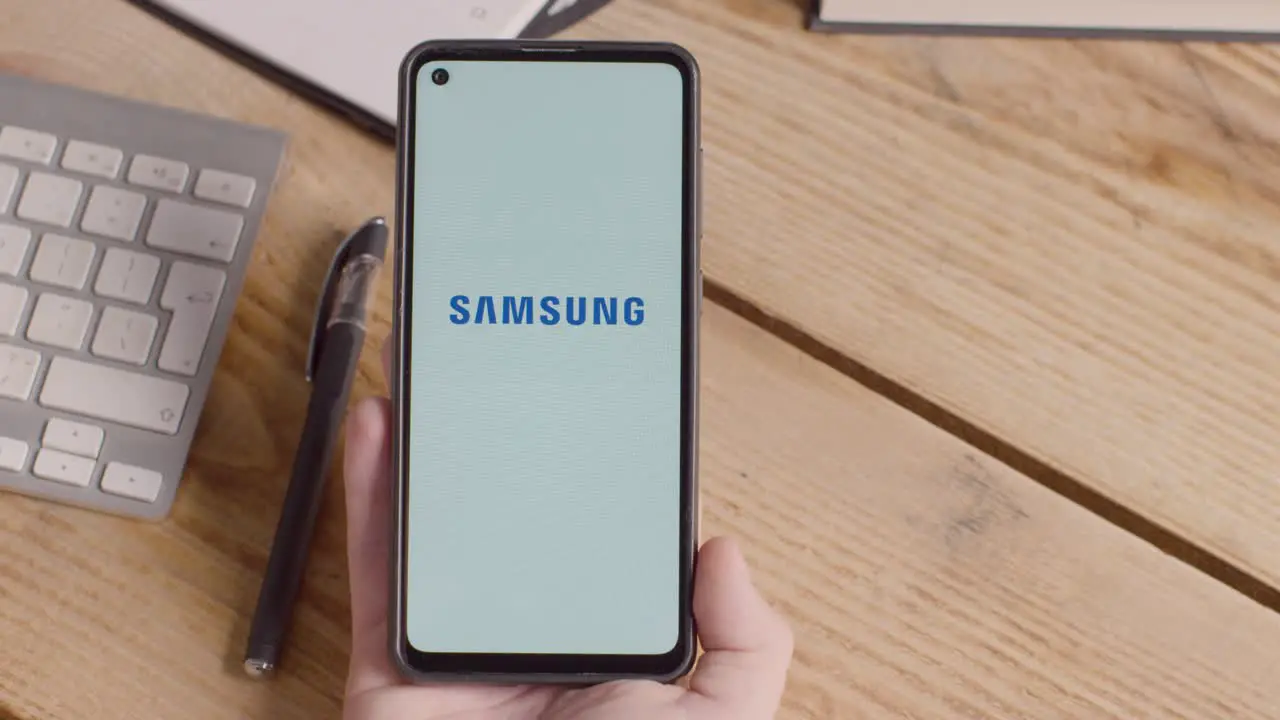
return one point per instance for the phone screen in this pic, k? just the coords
(546, 394)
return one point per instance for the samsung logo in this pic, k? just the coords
(548, 310)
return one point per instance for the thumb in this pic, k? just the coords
(368, 493)
(747, 644)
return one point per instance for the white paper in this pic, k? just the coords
(352, 48)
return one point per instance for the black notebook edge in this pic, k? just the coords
(815, 23)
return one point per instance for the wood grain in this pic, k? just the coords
(924, 579)
(1073, 247)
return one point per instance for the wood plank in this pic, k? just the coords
(929, 581)
(1071, 246)
(924, 579)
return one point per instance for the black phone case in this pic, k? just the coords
(397, 631)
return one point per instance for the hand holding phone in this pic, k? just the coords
(741, 675)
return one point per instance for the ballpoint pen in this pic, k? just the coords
(336, 343)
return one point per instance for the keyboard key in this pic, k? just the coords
(50, 199)
(73, 437)
(132, 482)
(8, 183)
(113, 213)
(13, 300)
(13, 454)
(62, 261)
(127, 276)
(124, 335)
(225, 187)
(192, 293)
(159, 173)
(18, 368)
(59, 321)
(14, 241)
(113, 395)
(29, 145)
(92, 159)
(63, 467)
(194, 230)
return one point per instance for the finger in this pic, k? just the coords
(368, 494)
(747, 644)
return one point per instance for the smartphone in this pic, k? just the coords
(545, 364)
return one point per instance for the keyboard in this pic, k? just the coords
(125, 235)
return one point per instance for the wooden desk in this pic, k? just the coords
(1051, 249)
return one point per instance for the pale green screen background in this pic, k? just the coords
(544, 461)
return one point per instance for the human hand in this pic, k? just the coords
(741, 676)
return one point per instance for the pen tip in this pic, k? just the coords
(258, 668)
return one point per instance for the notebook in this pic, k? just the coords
(345, 54)
(1173, 19)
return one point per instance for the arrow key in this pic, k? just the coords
(72, 437)
(63, 467)
(132, 482)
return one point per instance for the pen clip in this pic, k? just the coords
(325, 306)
